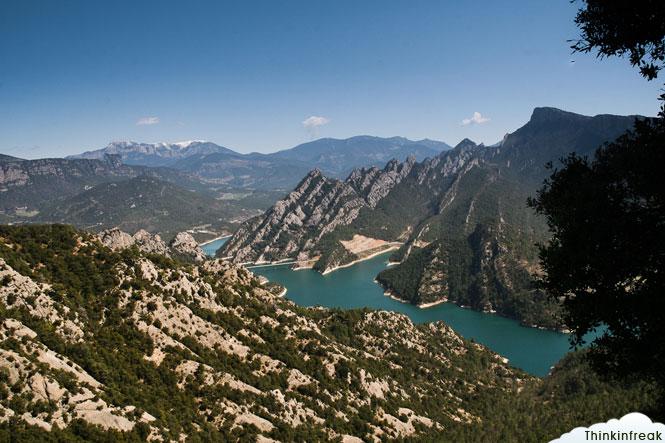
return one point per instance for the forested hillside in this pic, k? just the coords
(112, 346)
(146, 203)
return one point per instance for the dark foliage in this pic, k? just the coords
(624, 27)
(607, 253)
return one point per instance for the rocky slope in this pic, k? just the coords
(464, 211)
(104, 341)
(294, 226)
(30, 182)
(483, 232)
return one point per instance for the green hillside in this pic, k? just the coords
(145, 203)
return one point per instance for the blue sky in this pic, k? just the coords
(75, 75)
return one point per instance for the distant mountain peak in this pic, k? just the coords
(316, 172)
(545, 113)
(155, 154)
(167, 145)
(466, 143)
(184, 144)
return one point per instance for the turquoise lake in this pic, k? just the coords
(213, 246)
(533, 350)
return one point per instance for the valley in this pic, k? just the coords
(412, 247)
(534, 350)
(345, 222)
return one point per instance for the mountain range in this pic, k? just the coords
(214, 187)
(280, 170)
(100, 194)
(460, 218)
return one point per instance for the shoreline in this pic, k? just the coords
(302, 267)
(390, 293)
(431, 304)
(346, 265)
(394, 297)
(215, 239)
(251, 265)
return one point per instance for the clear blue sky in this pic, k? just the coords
(75, 75)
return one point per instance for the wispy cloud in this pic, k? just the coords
(144, 121)
(477, 119)
(313, 123)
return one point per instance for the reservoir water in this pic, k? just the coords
(531, 349)
(212, 247)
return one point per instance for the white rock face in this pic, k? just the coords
(19, 291)
(28, 376)
(150, 243)
(116, 239)
(183, 245)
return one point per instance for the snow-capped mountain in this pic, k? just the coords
(156, 154)
(277, 170)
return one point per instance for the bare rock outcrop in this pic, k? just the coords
(207, 343)
(184, 245)
(116, 239)
(150, 243)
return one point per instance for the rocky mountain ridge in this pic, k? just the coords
(32, 183)
(18, 175)
(464, 209)
(278, 170)
(318, 205)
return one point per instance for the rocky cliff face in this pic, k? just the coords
(481, 220)
(152, 244)
(153, 348)
(292, 228)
